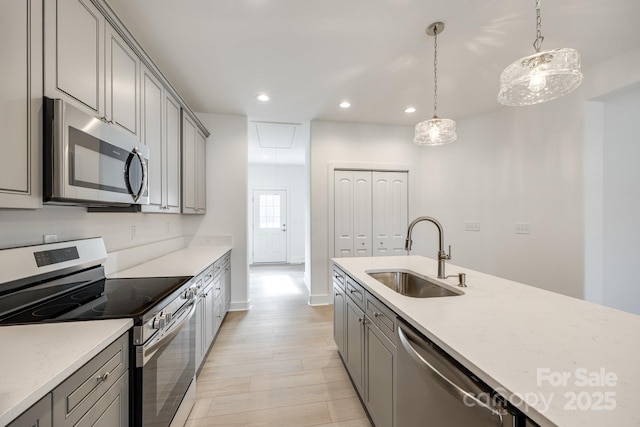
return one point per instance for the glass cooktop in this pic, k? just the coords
(84, 296)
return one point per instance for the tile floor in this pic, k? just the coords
(276, 364)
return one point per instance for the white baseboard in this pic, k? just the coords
(240, 305)
(322, 299)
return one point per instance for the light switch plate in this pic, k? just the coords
(49, 238)
(523, 228)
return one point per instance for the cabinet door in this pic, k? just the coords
(39, 415)
(338, 319)
(188, 164)
(74, 53)
(201, 176)
(379, 361)
(173, 158)
(152, 101)
(112, 409)
(227, 288)
(354, 343)
(20, 103)
(210, 318)
(390, 205)
(122, 83)
(200, 331)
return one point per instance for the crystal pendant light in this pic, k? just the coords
(435, 131)
(541, 77)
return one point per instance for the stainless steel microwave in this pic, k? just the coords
(89, 162)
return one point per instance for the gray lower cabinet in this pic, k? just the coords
(98, 393)
(39, 415)
(366, 342)
(338, 319)
(354, 343)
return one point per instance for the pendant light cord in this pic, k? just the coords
(537, 44)
(435, 72)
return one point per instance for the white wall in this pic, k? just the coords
(352, 144)
(282, 177)
(621, 202)
(227, 183)
(21, 227)
(512, 165)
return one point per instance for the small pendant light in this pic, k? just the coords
(435, 131)
(541, 77)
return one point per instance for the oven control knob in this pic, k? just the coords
(159, 322)
(167, 316)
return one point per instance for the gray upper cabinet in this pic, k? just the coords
(88, 64)
(193, 167)
(173, 157)
(161, 133)
(20, 103)
(74, 53)
(122, 85)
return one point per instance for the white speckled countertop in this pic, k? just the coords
(34, 359)
(563, 361)
(185, 262)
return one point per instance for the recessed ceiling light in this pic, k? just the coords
(262, 97)
(345, 104)
(410, 110)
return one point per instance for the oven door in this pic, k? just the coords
(88, 161)
(165, 367)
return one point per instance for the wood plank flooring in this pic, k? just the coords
(276, 364)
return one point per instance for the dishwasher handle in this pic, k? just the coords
(445, 382)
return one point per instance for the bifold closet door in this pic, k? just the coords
(390, 202)
(352, 213)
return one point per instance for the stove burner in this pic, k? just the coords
(115, 305)
(53, 310)
(85, 295)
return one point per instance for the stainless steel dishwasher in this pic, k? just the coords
(432, 389)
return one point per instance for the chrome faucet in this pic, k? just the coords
(442, 255)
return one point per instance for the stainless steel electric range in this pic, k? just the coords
(65, 281)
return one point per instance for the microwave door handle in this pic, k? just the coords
(136, 196)
(143, 187)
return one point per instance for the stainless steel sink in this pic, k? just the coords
(413, 285)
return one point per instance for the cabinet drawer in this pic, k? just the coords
(382, 316)
(355, 292)
(77, 395)
(39, 415)
(338, 277)
(207, 275)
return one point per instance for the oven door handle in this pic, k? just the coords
(148, 352)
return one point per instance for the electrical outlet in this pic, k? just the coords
(49, 238)
(472, 226)
(523, 228)
(134, 232)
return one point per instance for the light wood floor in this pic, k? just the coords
(276, 364)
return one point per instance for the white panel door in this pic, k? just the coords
(362, 213)
(390, 205)
(343, 213)
(269, 226)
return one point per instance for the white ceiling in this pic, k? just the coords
(310, 55)
(278, 143)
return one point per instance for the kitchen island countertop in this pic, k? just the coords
(563, 361)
